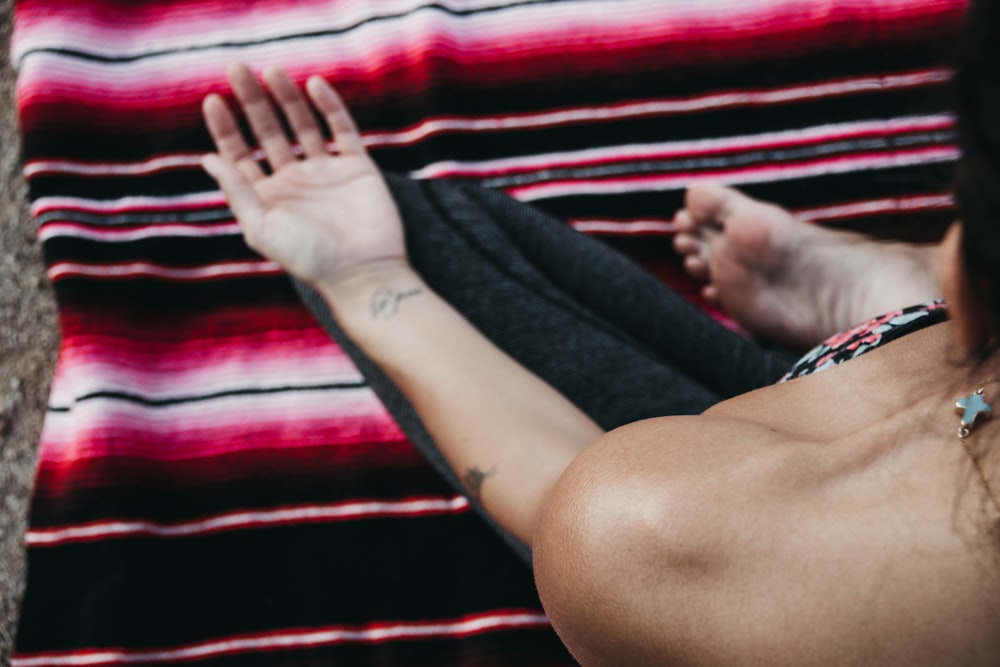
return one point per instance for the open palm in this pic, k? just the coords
(322, 216)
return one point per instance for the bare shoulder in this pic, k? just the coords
(639, 515)
(722, 540)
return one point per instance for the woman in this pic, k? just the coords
(837, 518)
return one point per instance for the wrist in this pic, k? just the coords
(373, 290)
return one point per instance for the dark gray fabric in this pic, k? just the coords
(586, 319)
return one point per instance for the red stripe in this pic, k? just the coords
(190, 328)
(404, 77)
(273, 462)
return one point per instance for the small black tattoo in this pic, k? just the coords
(385, 303)
(474, 479)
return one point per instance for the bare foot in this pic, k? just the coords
(790, 282)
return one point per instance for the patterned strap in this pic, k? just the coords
(867, 336)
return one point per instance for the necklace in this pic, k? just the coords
(972, 407)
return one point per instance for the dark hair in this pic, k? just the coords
(977, 190)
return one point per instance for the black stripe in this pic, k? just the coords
(143, 490)
(161, 593)
(113, 143)
(156, 300)
(180, 400)
(804, 192)
(176, 251)
(523, 648)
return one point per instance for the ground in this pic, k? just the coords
(28, 342)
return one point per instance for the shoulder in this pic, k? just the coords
(721, 540)
(647, 522)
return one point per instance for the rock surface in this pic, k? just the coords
(29, 338)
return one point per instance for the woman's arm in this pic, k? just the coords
(330, 221)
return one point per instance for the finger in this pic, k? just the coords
(258, 109)
(337, 116)
(297, 110)
(227, 137)
(240, 195)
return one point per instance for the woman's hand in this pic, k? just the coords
(326, 218)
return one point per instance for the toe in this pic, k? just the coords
(697, 267)
(683, 222)
(711, 204)
(711, 294)
(687, 244)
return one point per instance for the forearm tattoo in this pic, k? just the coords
(474, 479)
(385, 302)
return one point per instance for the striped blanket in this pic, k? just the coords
(216, 483)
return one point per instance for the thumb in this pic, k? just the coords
(239, 192)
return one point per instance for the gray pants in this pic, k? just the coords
(586, 319)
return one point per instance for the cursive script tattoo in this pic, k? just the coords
(385, 302)
(474, 479)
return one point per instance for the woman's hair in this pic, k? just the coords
(977, 191)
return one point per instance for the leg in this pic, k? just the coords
(790, 282)
(609, 336)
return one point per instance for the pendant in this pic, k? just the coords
(971, 408)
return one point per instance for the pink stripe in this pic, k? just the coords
(295, 639)
(665, 227)
(915, 204)
(115, 428)
(110, 31)
(406, 46)
(284, 516)
(94, 363)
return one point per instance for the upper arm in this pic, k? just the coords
(634, 537)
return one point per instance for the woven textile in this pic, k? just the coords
(216, 482)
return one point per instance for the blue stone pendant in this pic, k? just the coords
(971, 408)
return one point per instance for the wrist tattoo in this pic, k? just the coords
(385, 302)
(474, 479)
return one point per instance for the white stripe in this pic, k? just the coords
(63, 230)
(125, 204)
(544, 190)
(736, 176)
(134, 269)
(234, 520)
(292, 640)
(657, 107)
(580, 114)
(667, 150)
(623, 227)
(159, 163)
